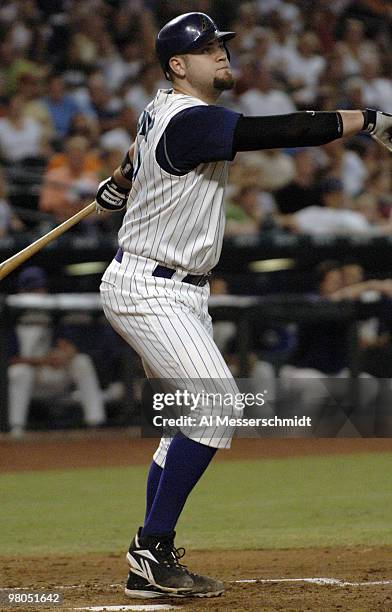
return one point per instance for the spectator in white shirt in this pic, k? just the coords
(334, 216)
(355, 47)
(304, 68)
(377, 90)
(264, 98)
(21, 136)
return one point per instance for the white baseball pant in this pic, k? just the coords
(166, 321)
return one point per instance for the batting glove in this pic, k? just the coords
(110, 196)
(379, 126)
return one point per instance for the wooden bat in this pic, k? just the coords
(16, 260)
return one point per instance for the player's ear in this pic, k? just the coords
(177, 66)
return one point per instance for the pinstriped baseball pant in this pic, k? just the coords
(167, 323)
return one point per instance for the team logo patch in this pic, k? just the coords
(204, 24)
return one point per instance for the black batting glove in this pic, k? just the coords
(379, 126)
(111, 196)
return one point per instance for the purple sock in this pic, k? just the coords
(153, 479)
(186, 461)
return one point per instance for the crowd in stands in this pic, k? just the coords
(74, 77)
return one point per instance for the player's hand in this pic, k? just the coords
(379, 126)
(111, 196)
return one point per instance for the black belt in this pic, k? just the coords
(163, 272)
(193, 279)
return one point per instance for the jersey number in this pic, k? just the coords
(144, 126)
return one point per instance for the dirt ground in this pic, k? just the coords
(93, 580)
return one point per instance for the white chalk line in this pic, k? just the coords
(318, 581)
(147, 608)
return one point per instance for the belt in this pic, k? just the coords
(163, 272)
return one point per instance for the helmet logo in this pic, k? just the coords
(204, 24)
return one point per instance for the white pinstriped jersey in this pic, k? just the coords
(177, 221)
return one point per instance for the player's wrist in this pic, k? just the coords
(114, 183)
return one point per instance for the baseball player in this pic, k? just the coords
(155, 291)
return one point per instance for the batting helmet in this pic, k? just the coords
(186, 33)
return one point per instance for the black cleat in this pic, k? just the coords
(156, 559)
(204, 586)
(139, 588)
(155, 571)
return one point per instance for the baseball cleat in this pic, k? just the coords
(156, 559)
(139, 588)
(156, 572)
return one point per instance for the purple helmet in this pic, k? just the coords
(186, 33)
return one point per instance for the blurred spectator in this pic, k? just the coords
(379, 186)
(247, 212)
(318, 370)
(322, 21)
(374, 334)
(334, 216)
(97, 101)
(43, 369)
(87, 157)
(13, 60)
(337, 159)
(9, 221)
(61, 106)
(303, 190)
(264, 98)
(86, 126)
(29, 87)
(142, 92)
(247, 26)
(355, 47)
(21, 136)
(117, 139)
(377, 89)
(282, 44)
(303, 69)
(119, 64)
(269, 169)
(71, 185)
(353, 89)
(88, 26)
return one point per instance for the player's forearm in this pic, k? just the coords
(123, 175)
(301, 129)
(121, 180)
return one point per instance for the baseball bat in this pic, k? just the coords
(16, 260)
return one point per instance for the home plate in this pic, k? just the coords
(147, 608)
